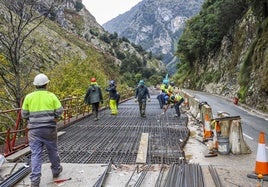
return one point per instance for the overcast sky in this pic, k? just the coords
(105, 10)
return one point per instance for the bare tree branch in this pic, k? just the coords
(18, 20)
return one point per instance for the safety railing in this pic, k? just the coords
(13, 135)
(74, 107)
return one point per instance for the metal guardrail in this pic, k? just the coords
(15, 137)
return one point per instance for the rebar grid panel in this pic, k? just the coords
(185, 175)
(118, 137)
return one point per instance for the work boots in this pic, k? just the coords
(34, 185)
(95, 113)
(55, 175)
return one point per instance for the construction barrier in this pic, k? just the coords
(206, 116)
(238, 144)
(225, 130)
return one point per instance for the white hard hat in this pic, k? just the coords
(40, 80)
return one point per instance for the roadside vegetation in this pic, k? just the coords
(202, 39)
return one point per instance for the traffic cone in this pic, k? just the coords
(261, 166)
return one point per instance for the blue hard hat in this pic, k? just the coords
(141, 82)
(165, 81)
(112, 82)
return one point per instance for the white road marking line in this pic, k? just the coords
(249, 137)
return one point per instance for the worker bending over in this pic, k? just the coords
(175, 100)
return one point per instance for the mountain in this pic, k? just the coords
(224, 51)
(156, 25)
(69, 46)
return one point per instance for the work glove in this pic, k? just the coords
(135, 100)
(149, 100)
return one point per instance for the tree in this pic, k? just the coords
(18, 20)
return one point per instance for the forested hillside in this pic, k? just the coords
(63, 40)
(223, 50)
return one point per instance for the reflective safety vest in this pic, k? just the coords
(170, 90)
(41, 108)
(176, 99)
(164, 88)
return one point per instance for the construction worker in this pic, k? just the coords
(175, 100)
(94, 97)
(164, 86)
(141, 95)
(170, 89)
(112, 97)
(42, 109)
(164, 91)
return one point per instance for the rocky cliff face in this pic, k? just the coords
(244, 48)
(155, 25)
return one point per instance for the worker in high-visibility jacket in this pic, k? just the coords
(164, 86)
(170, 89)
(164, 93)
(175, 100)
(42, 109)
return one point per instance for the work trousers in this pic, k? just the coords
(142, 107)
(38, 138)
(161, 99)
(95, 109)
(113, 107)
(177, 107)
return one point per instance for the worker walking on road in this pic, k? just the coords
(94, 97)
(112, 97)
(42, 109)
(142, 93)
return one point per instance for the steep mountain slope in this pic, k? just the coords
(229, 58)
(70, 47)
(243, 63)
(155, 25)
(74, 17)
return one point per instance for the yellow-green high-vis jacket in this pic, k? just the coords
(41, 108)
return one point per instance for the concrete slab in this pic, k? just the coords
(81, 175)
(86, 175)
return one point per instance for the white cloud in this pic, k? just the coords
(105, 10)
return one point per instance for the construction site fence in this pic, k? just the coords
(13, 135)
